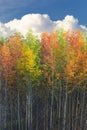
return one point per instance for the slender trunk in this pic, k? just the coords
(77, 103)
(5, 103)
(82, 109)
(37, 117)
(18, 111)
(44, 122)
(59, 116)
(52, 94)
(26, 112)
(31, 109)
(21, 121)
(11, 112)
(85, 117)
(65, 105)
(29, 105)
(0, 116)
(51, 114)
(72, 111)
(69, 112)
(47, 115)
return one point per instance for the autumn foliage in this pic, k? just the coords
(35, 68)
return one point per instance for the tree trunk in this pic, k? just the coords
(5, 103)
(59, 116)
(65, 106)
(26, 112)
(18, 111)
(82, 110)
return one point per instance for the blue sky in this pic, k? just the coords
(56, 9)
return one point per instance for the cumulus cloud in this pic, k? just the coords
(39, 23)
(70, 23)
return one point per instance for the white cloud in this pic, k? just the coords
(39, 23)
(5, 31)
(70, 23)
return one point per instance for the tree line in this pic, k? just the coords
(43, 82)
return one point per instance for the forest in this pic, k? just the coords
(43, 81)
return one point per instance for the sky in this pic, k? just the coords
(56, 9)
(72, 11)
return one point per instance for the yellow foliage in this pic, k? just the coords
(26, 64)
